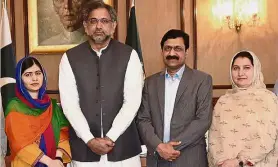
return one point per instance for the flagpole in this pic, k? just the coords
(2, 19)
(133, 3)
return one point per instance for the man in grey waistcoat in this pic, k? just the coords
(100, 84)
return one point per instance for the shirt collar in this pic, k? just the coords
(100, 51)
(178, 75)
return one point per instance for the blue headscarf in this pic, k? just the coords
(43, 100)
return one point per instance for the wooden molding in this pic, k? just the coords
(128, 3)
(12, 18)
(26, 38)
(194, 28)
(222, 87)
(115, 5)
(230, 86)
(182, 14)
(214, 100)
(195, 46)
(215, 87)
(52, 92)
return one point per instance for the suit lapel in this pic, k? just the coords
(161, 93)
(185, 81)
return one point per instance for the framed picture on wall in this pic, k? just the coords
(54, 27)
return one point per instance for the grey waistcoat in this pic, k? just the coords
(100, 85)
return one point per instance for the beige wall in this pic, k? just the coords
(216, 44)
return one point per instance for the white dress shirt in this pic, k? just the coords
(133, 85)
(171, 88)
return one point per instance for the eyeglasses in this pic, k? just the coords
(176, 48)
(95, 21)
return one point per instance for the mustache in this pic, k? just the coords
(169, 57)
(99, 30)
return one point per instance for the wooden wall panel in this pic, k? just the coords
(188, 28)
(122, 20)
(19, 30)
(55, 96)
(51, 65)
(154, 19)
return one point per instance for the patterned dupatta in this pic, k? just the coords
(35, 113)
(22, 93)
(244, 123)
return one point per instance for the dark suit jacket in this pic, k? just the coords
(191, 117)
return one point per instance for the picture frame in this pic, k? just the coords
(44, 26)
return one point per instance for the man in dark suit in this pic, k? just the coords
(176, 109)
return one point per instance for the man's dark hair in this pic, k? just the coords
(173, 34)
(91, 5)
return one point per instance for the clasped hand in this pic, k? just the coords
(167, 151)
(101, 146)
